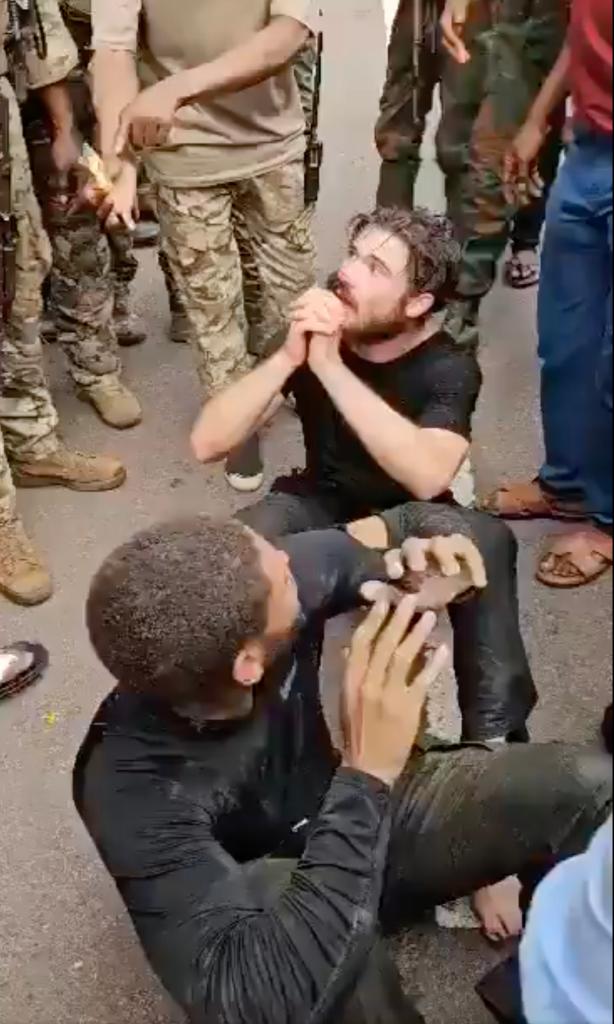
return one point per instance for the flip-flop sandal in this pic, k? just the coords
(575, 561)
(522, 270)
(528, 501)
(21, 666)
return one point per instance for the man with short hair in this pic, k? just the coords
(217, 109)
(256, 862)
(386, 400)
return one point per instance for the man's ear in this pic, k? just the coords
(419, 306)
(249, 666)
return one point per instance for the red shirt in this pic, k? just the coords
(590, 41)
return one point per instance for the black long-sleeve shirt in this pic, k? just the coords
(187, 822)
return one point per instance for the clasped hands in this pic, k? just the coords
(317, 321)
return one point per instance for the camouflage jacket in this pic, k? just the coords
(61, 54)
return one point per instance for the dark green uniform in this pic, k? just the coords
(414, 70)
(513, 47)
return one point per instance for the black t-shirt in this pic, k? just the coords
(437, 386)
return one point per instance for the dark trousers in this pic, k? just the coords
(496, 691)
(466, 817)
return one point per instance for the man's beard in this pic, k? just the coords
(374, 331)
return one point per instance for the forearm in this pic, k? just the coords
(115, 85)
(230, 418)
(555, 89)
(263, 55)
(406, 452)
(313, 939)
(58, 105)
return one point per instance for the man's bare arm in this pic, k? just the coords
(522, 180)
(116, 85)
(230, 418)
(423, 460)
(148, 120)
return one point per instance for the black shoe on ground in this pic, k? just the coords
(244, 468)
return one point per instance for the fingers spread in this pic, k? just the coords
(444, 552)
(407, 654)
(394, 565)
(436, 664)
(387, 644)
(415, 553)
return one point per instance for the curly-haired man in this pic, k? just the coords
(386, 400)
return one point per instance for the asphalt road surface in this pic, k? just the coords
(67, 953)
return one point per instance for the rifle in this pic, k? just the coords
(26, 32)
(314, 155)
(426, 15)
(8, 224)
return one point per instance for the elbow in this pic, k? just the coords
(290, 42)
(206, 448)
(430, 487)
(428, 490)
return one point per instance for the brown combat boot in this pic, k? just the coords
(65, 468)
(24, 579)
(116, 405)
(128, 328)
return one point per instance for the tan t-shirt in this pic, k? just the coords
(229, 138)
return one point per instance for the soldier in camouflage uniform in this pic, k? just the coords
(31, 454)
(305, 73)
(513, 47)
(92, 272)
(406, 103)
(407, 99)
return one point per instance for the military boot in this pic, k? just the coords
(65, 468)
(462, 322)
(128, 327)
(146, 233)
(116, 405)
(24, 579)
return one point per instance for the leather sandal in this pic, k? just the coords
(21, 666)
(576, 560)
(529, 501)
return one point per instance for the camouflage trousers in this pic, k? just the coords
(484, 104)
(7, 491)
(305, 74)
(407, 99)
(236, 320)
(28, 419)
(91, 272)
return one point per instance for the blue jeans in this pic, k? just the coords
(575, 331)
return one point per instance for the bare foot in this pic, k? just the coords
(498, 909)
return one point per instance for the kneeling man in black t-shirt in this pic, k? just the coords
(386, 400)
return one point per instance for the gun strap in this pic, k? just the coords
(317, 91)
(6, 220)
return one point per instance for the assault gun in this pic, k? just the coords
(26, 33)
(314, 154)
(426, 16)
(8, 224)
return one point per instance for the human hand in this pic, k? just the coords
(118, 206)
(147, 121)
(452, 24)
(440, 571)
(522, 181)
(295, 346)
(388, 675)
(65, 151)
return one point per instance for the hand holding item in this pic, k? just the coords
(389, 672)
(439, 571)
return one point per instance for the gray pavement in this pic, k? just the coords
(67, 953)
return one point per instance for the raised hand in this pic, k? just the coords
(389, 673)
